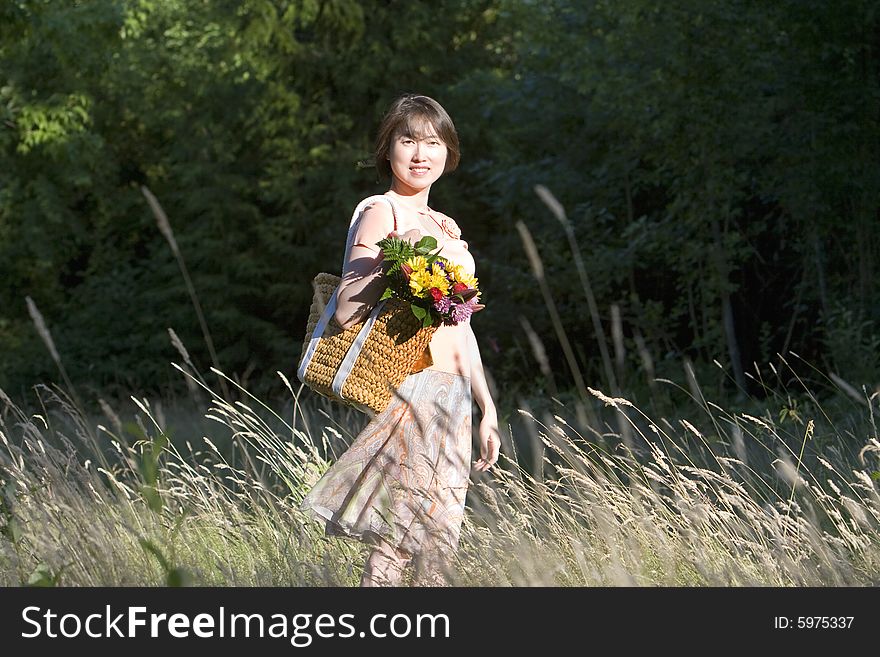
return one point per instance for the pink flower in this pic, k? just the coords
(442, 305)
(460, 312)
(473, 304)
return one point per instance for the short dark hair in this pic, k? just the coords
(407, 116)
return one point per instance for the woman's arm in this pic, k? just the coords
(490, 437)
(362, 279)
(479, 386)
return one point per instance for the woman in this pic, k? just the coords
(401, 485)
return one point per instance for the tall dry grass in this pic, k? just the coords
(154, 511)
(597, 492)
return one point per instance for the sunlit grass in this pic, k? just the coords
(775, 492)
(561, 509)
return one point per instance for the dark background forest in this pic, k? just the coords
(718, 162)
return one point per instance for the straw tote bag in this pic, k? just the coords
(363, 365)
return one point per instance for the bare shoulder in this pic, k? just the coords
(374, 223)
(378, 208)
(378, 215)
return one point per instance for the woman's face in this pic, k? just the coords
(417, 162)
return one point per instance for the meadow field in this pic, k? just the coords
(204, 491)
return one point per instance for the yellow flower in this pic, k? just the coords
(439, 281)
(418, 282)
(467, 279)
(418, 263)
(462, 276)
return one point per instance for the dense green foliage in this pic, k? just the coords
(718, 161)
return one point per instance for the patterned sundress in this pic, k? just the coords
(405, 476)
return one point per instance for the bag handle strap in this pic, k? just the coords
(358, 211)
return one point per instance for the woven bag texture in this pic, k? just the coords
(394, 345)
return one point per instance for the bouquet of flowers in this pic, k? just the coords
(438, 290)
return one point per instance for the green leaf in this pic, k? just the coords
(177, 577)
(418, 311)
(395, 250)
(151, 547)
(12, 530)
(387, 294)
(42, 575)
(152, 497)
(425, 245)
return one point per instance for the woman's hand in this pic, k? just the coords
(413, 235)
(490, 443)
